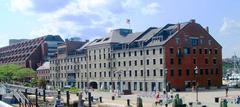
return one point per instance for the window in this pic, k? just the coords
(201, 71)
(194, 61)
(194, 42)
(154, 61)
(141, 62)
(211, 71)
(154, 72)
(215, 51)
(206, 61)
(186, 51)
(141, 53)
(130, 73)
(124, 54)
(214, 61)
(124, 63)
(147, 61)
(179, 72)
(147, 52)
(124, 73)
(161, 61)
(179, 61)
(217, 71)
(160, 51)
(141, 72)
(206, 51)
(153, 51)
(129, 54)
(135, 53)
(130, 63)
(161, 72)
(200, 51)
(187, 72)
(148, 72)
(135, 73)
(171, 61)
(194, 51)
(171, 51)
(177, 40)
(206, 71)
(135, 62)
(172, 72)
(119, 55)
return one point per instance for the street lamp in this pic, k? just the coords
(119, 82)
(196, 75)
(165, 78)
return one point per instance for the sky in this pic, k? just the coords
(90, 19)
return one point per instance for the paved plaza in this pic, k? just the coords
(206, 97)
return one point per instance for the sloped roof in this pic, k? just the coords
(46, 65)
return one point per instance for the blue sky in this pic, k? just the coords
(91, 19)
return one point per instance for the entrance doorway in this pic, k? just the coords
(93, 85)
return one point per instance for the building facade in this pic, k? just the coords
(43, 72)
(30, 53)
(141, 61)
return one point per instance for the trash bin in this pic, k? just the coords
(216, 99)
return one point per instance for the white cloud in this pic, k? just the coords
(79, 16)
(20, 5)
(230, 27)
(151, 9)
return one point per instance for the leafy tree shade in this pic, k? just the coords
(15, 72)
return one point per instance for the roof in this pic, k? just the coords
(45, 66)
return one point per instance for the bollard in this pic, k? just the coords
(68, 97)
(100, 99)
(128, 102)
(59, 94)
(44, 95)
(36, 99)
(89, 99)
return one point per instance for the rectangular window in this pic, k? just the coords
(119, 55)
(130, 63)
(141, 62)
(130, 73)
(129, 54)
(194, 61)
(200, 51)
(161, 62)
(171, 51)
(154, 72)
(124, 54)
(172, 72)
(206, 71)
(187, 72)
(194, 42)
(186, 51)
(153, 51)
(194, 51)
(179, 61)
(148, 72)
(160, 51)
(141, 72)
(215, 51)
(154, 61)
(135, 62)
(135, 53)
(217, 71)
(214, 61)
(201, 71)
(141, 53)
(206, 61)
(147, 61)
(179, 72)
(147, 52)
(206, 51)
(161, 72)
(171, 61)
(135, 73)
(211, 71)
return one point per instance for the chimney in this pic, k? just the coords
(178, 26)
(207, 29)
(192, 21)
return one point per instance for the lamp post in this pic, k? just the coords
(196, 76)
(119, 82)
(165, 78)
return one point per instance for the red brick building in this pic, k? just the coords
(192, 46)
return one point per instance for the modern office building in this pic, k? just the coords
(155, 59)
(30, 53)
(14, 41)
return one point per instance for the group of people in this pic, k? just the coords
(162, 99)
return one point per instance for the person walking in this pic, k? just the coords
(226, 91)
(157, 98)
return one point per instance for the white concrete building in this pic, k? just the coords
(120, 60)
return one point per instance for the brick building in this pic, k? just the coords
(30, 53)
(143, 61)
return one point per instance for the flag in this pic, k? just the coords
(128, 21)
